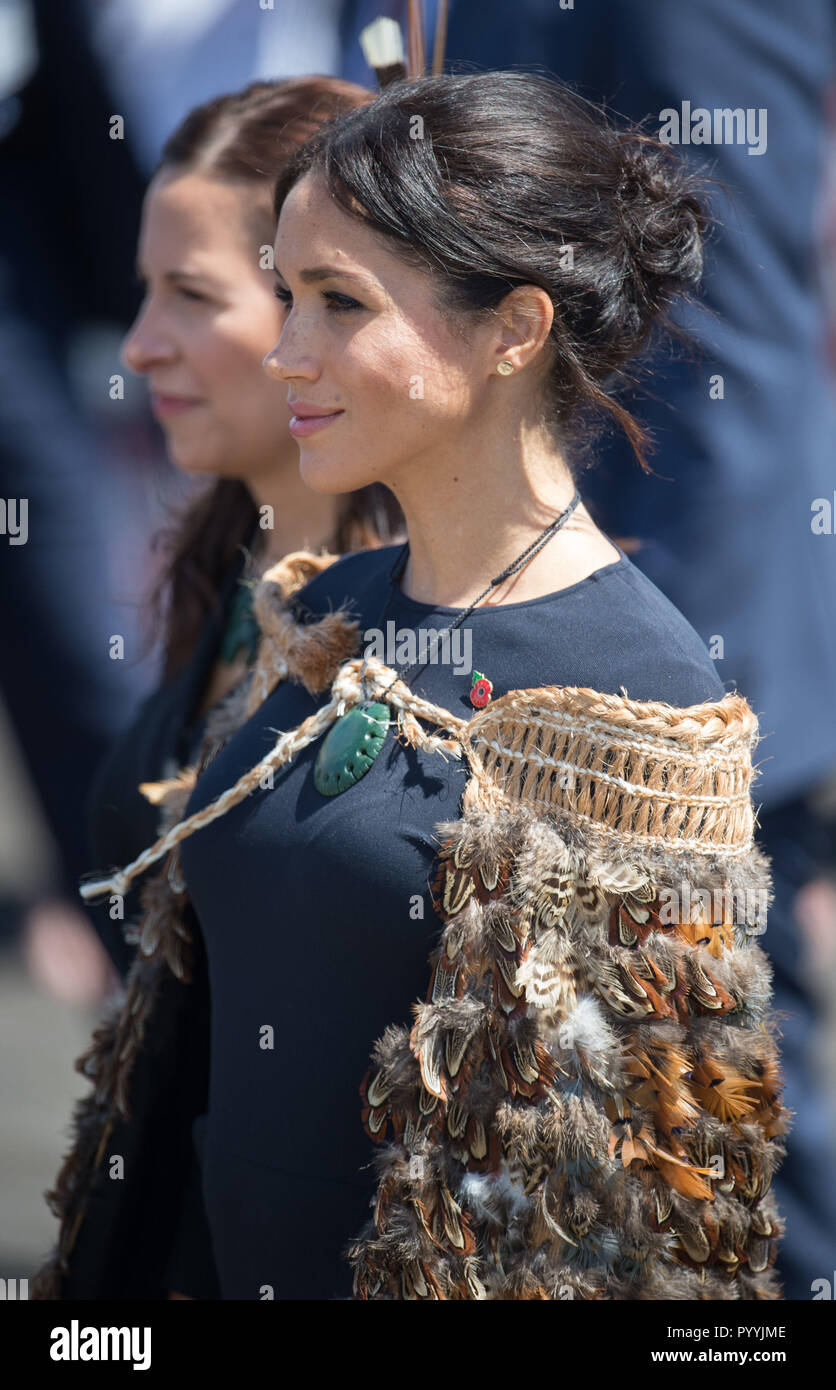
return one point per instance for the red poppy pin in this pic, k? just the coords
(480, 690)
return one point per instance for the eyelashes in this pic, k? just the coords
(337, 303)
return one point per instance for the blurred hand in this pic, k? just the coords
(64, 955)
(815, 907)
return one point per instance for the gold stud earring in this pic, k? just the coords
(505, 367)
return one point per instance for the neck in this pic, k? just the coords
(301, 518)
(468, 521)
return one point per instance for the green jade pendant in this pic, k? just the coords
(350, 747)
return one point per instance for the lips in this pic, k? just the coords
(163, 405)
(304, 410)
(311, 420)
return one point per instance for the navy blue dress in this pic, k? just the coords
(317, 916)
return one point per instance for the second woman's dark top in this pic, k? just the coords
(163, 736)
(317, 915)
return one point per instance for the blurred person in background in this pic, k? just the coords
(96, 479)
(61, 234)
(92, 467)
(747, 443)
(208, 318)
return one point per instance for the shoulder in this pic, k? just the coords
(614, 632)
(670, 660)
(625, 637)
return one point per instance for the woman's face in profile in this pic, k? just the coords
(366, 342)
(208, 317)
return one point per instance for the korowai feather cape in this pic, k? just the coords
(587, 1103)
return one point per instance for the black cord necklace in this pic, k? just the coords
(355, 740)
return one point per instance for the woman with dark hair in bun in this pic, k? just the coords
(548, 794)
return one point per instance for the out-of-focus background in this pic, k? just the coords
(86, 484)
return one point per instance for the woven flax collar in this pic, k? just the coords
(649, 772)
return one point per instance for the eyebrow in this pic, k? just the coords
(173, 274)
(325, 272)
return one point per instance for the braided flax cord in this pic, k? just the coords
(346, 691)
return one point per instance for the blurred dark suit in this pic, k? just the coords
(728, 538)
(726, 527)
(71, 201)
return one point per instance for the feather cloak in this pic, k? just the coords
(587, 1104)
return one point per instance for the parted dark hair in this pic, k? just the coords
(486, 180)
(247, 137)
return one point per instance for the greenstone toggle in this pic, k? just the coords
(350, 747)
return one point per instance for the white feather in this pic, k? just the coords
(493, 1196)
(586, 1028)
(382, 43)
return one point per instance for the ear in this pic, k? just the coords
(524, 321)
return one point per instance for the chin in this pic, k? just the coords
(200, 459)
(331, 475)
(197, 464)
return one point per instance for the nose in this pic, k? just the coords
(286, 362)
(146, 343)
(272, 365)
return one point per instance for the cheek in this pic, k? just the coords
(416, 377)
(205, 350)
(230, 360)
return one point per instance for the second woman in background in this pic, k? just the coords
(208, 319)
